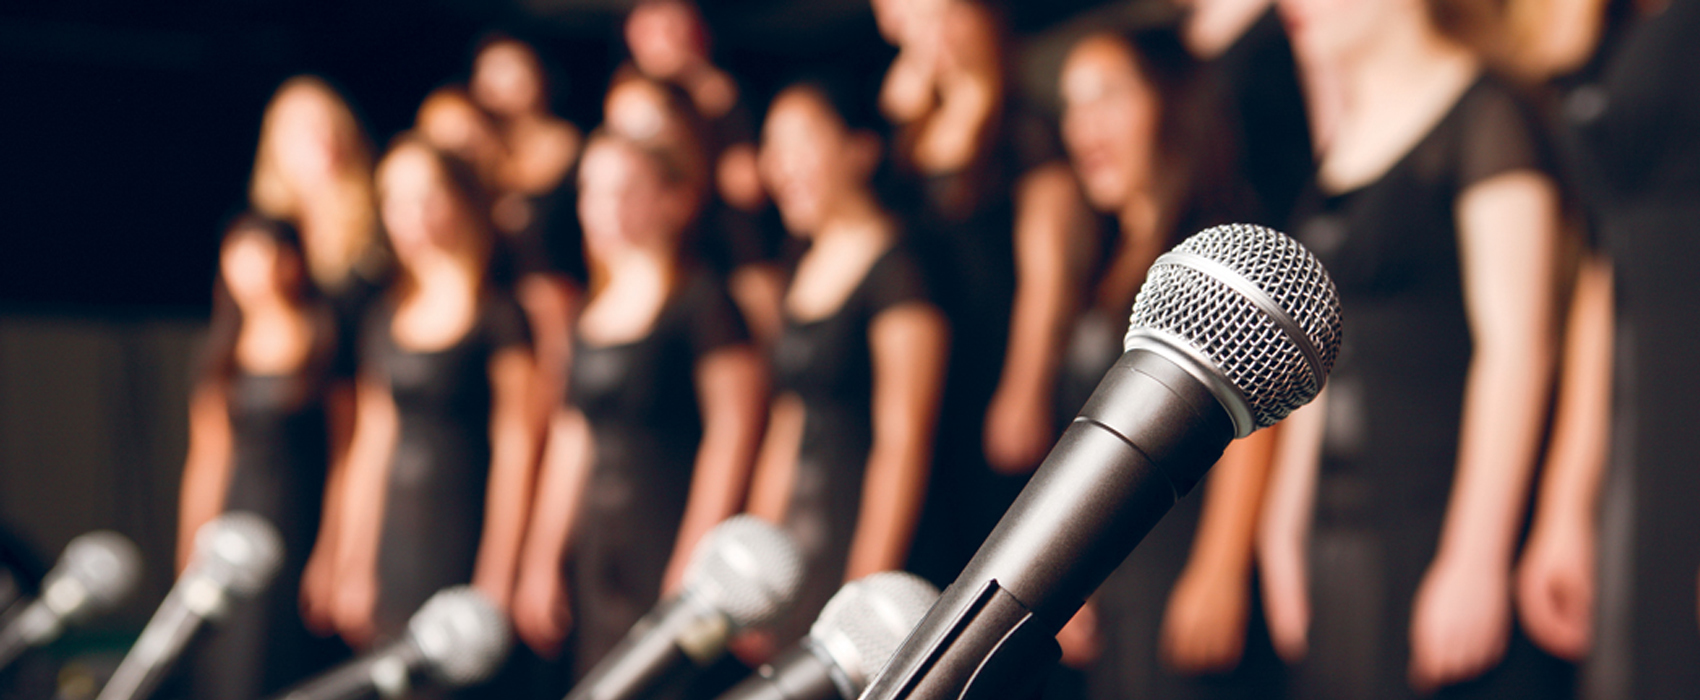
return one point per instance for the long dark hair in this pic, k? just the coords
(217, 362)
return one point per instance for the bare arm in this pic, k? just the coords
(776, 463)
(363, 496)
(513, 460)
(732, 390)
(1284, 526)
(206, 469)
(318, 581)
(909, 343)
(1555, 587)
(1049, 214)
(1508, 239)
(541, 615)
(969, 81)
(1204, 627)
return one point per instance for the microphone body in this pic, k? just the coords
(96, 572)
(744, 574)
(236, 555)
(457, 638)
(1232, 331)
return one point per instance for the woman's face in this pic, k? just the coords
(505, 79)
(418, 210)
(1331, 30)
(1109, 121)
(663, 37)
(305, 140)
(623, 202)
(636, 109)
(805, 160)
(456, 126)
(255, 269)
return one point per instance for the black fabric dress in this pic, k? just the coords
(1396, 403)
(640, 399)
(827, 363)
(1632, 130)
(439, 473)
(280, 450)
(1261, 81)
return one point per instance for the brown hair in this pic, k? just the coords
(330, 254)
(462, 184)
(1479, 25)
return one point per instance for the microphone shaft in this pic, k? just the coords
(15, 637)
(381, 672)
(1146, 436)
(648, 658)
(798, 674)
(155, 651)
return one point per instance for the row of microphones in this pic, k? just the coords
(96, 572)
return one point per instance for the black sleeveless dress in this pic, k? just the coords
(1396, 401)
(280, 450)
(439, 472)
(1632, 133)
(827, 363)
(640, 399)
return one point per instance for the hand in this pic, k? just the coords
(542, 613)
(1079, 638)
(356, 598)
(1460, 623)
(318, 593)
(1555, 588)
(1204, 625)
(1286, 598)
(1018, 432)
(753, 647)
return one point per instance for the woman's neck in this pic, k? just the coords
(1407, 52)
(651, 269)
(856, 215)
(439, 273)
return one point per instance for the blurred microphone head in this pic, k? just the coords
(747, 569)
(461, 634)
(237, 551)
(1247, 311)
(97, 571)
(863, 624)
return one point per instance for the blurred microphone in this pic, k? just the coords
(1234, 329)
(97, 571)
(236, 555)
(744, 574)
(458, 638)
(852, 639)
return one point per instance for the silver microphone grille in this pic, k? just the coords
(97, 571)
(1252, 311)
(240, 551)
(747, 569)
(462, 635)
(863, 624)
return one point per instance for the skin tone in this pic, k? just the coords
(946, 84)
(818, 171)
(311, 142)
(276, 338)
(1397, 77)
(1214, 25)
(632, 219)
(434, 237)
(507, 80)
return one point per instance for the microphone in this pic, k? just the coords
(744, 574)
(457, 638)
(96, 572)
(852, 639)
(1233, 329)
(236, 555)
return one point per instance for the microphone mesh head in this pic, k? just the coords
(1275, 351)
(747, 569)
(105, 564)
(240, 551)
(462, 635)
(863, 624)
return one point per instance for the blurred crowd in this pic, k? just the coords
(508, 351)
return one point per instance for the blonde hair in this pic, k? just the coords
(334, 245)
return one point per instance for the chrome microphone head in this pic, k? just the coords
(462, 635)
(97, 571)
(237, 551)
(1249, 312)
(863, 624)
(747, 569)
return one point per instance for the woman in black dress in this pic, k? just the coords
(439, 476)
(1436, 216)
(663, 414)
(1138, 124)
(859, 365)
(264, 438)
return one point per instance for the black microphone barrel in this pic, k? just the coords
(803, 673)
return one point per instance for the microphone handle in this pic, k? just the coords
(652, 656)
(1148, 434)
(388, 673)
(159, 645)
(799, 674)
(20, 631)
